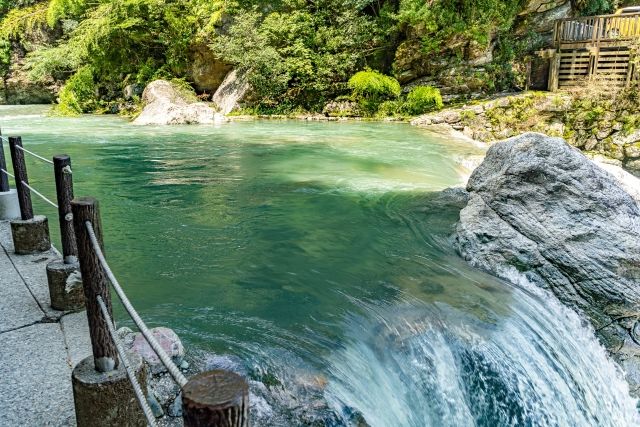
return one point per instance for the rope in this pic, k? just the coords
(34, 154)
(166, 360)
(7, 173)
(39, 194)
(130, 373)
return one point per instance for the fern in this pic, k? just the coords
(19, 21)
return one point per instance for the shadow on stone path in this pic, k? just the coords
(39, 346)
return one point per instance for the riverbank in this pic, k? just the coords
(594, 122)
(40, 345)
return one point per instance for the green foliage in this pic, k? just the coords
(297, 55)
(21, 20)
(78, 94)
(61, 9)
(444, 24)
(371, 88)
(423, 99)
(391, 109)
(296, 52)
(372, 84)
(596, 7)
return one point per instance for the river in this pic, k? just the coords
(315, 258)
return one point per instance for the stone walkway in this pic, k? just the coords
(39, 346)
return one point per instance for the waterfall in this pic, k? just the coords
(423, 364)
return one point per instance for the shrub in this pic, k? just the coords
(423, 99)
(78, 94)
(370, 88)
(390, 109)
(372, 84)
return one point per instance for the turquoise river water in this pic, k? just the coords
(315, 258)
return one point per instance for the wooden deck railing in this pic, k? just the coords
(597, 29)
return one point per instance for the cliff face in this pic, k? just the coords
(17, 87)
(470, 71)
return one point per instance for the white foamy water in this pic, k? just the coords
(421, 365)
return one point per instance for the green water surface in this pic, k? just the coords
(320, 253)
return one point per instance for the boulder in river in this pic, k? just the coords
(166, 104)
(231, 91)
(540, 211)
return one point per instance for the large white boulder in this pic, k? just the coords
(166, 105)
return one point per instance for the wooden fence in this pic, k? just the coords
(602, 48)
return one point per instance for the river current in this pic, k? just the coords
(316, 259)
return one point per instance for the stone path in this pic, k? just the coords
(39, 346)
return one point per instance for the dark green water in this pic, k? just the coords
(315, 258)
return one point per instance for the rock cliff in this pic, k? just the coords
(540, 211)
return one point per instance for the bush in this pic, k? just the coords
(370, 88)
(390, 109)
(372, 84)
(423, 99)
(78, 95)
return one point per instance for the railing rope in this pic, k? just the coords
(37, 156)
(39, 194)
(166, 360)
(142, 400)
(215, 398)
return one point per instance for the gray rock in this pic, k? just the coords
(175, 409)
(154, 405)
(633, 166)
(167, 339)
(451, 116)
(341, 109)
(166, 105)
(132, 90)
(539, 209)
(164, 388)
(231, 91)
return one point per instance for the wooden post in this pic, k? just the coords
(64, 192)
(216, 399)
(20, 172)
(4, 178)
(554, 72)
(94, 282)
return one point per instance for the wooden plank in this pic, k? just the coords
(584, 54)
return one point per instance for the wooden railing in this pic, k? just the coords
(597, 29)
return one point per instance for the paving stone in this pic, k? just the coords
(76, 335)
(32, 268)
(36, 378)
(18, 308)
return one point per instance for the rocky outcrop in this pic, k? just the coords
(165, 104)
(462, 70)
(163, 394)
(18, 88)
(342, 109)
(233, 89)
(540, 210)
(207, 71)
(539, 16)
(554, 114)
